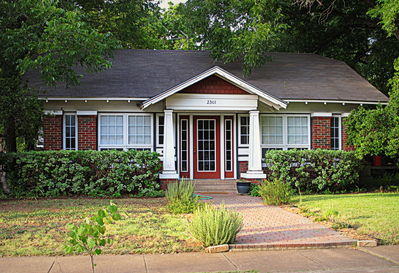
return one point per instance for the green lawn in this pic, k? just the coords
(37, 227)
(375, 214)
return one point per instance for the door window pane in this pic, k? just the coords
(206, 145)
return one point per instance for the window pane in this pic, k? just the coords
(244, 130)
(297, 129)
(111, 132)
(139, 128)
(335, 137)
(272, 130)
(70, 136)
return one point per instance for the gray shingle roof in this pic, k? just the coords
(146, 73)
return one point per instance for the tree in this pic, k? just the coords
(42, 36)
(247, 30)
(376, 131)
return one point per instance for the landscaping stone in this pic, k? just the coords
(364, 243)
(217, 249)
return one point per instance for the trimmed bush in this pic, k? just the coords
(181, 198)
(90, 173)
(275, 193)
(314, 170)
(215, 226)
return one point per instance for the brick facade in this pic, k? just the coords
(321, 132)
(213, 85)
(52, 132)
(243, 166)
(87, 132)
(344, 136)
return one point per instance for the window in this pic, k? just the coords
(184, 145)
(206, 145)
(228, 144)
(297, 130)
(335, 133)
(272, 130)
(244, 130)
(285, 132)
(139, 130)
(70, 132)
(111, 132)
(161, 128)
(125, 131)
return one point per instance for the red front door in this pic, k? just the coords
(206, 147)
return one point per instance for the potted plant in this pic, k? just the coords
(243, 186)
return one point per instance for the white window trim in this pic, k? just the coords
(285, 145)
(125, 145)
(339, 130)
(187, 145)
(239, 130)
(64, 131)
(157, 129)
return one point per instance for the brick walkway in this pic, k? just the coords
(271, 225)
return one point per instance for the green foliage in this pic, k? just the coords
(388, 12)
(215, 226)
(385, 182)
(91, 173)
(181, 198)
(276, 192)
(314, 170)
(89, 236)
(254, 190)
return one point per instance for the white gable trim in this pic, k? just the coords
(216, 70)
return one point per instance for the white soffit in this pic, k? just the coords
(216, 70)
(86, 113)
(321, 114)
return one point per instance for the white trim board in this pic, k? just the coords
(216, 70)
(336, 101)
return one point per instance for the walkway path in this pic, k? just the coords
(341, 260)
(271, 225)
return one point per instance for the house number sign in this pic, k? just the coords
(211, 102)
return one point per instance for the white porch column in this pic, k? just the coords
(169, 166)
(255, 151)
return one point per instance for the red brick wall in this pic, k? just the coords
(243, 166)
(213, 85)
(345, 147)
(87, 132)
(52, 132)
(321, 133)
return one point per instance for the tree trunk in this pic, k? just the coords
(11, 138)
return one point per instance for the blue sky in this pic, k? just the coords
(164, 3)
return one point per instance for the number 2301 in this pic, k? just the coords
(211, 102)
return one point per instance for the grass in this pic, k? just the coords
(374, 214)
(37, 227)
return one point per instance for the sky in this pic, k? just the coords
(164, 3)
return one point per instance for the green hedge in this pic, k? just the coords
(314, 170)
(90, 173)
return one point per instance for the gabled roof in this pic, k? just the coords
(216, 70)
(149, 73)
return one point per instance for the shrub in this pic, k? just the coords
(181, 198)
(254, 190)
(215, 226)
(275, 193)
(315, 170)
(385, 181)
(91, 173)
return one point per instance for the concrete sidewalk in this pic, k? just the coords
(377, 259)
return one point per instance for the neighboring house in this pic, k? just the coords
(205, 118)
